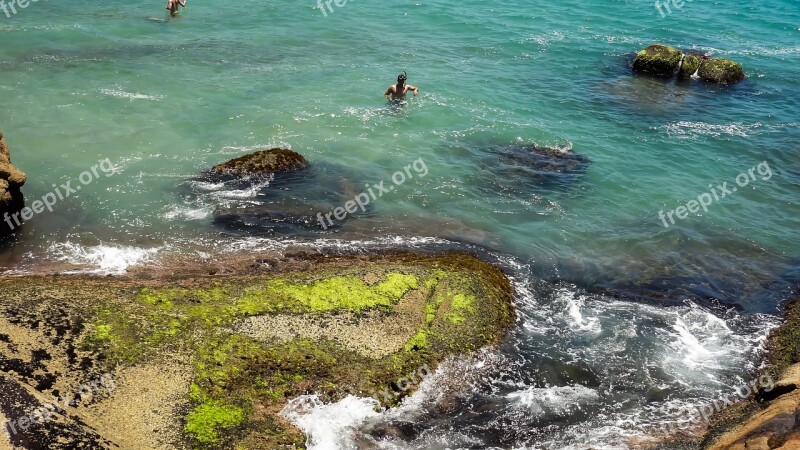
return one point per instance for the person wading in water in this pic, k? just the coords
(172, 6)
(398, 91)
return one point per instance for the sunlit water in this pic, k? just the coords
(624, 323)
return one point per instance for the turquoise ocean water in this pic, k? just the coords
(623, 321)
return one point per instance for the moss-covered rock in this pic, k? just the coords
(720, 70)
(391, 314)
(657, 60)
(689, 66)
(264, 162)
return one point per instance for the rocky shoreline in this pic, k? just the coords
(187, 359)
(768, 418)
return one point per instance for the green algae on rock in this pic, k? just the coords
(340, 326)
(263, 162)
(663, 61)
(657, 60)
(720, 70)
(689, 66)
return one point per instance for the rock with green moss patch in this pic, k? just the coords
(246, 344)
(720, 70)
(264, 162)
(657, 60)
(689, 66)
(209, 420)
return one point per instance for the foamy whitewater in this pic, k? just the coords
(646, 371)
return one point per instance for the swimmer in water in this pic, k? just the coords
(172, 6)
(398, 91)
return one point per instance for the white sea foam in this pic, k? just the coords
(268, 244)
(554, 401)
(130, 95)
(685, 128)
(328, 426)
(101, 259)
(178, 212)
(751, 51)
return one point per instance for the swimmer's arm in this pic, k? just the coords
(182, 2)
(388, 93)
(413, 88)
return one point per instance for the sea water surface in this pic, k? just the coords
(624, 325)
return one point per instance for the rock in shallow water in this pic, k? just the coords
(721, 71)
(689, 66)
(264, 162)
(11, 181)
(664, 61)
(524, 167)
(658, 60)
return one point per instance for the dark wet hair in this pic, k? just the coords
(402, 77)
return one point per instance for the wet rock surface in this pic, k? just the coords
(11, 182)
(203, 361)
(262, 163)
(770, 419)
(521, 170)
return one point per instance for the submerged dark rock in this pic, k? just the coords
(291, 202)
(537, 167)
(264, 162)
(11, 182)
(281, 219)
(545, 159)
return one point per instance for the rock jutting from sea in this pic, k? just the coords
(11, 181)
(663, 61)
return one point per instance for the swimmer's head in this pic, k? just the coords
(402, 78)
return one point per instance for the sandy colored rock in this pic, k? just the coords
(143, 410)
(777, 421)
(4, 443)
(355, 332)
(11, 181)
(792, 442)
(790, 378)
(15, 177)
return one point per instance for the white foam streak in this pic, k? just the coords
(130, 95)
(101, 259)
(554, 401)
(329, 426)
